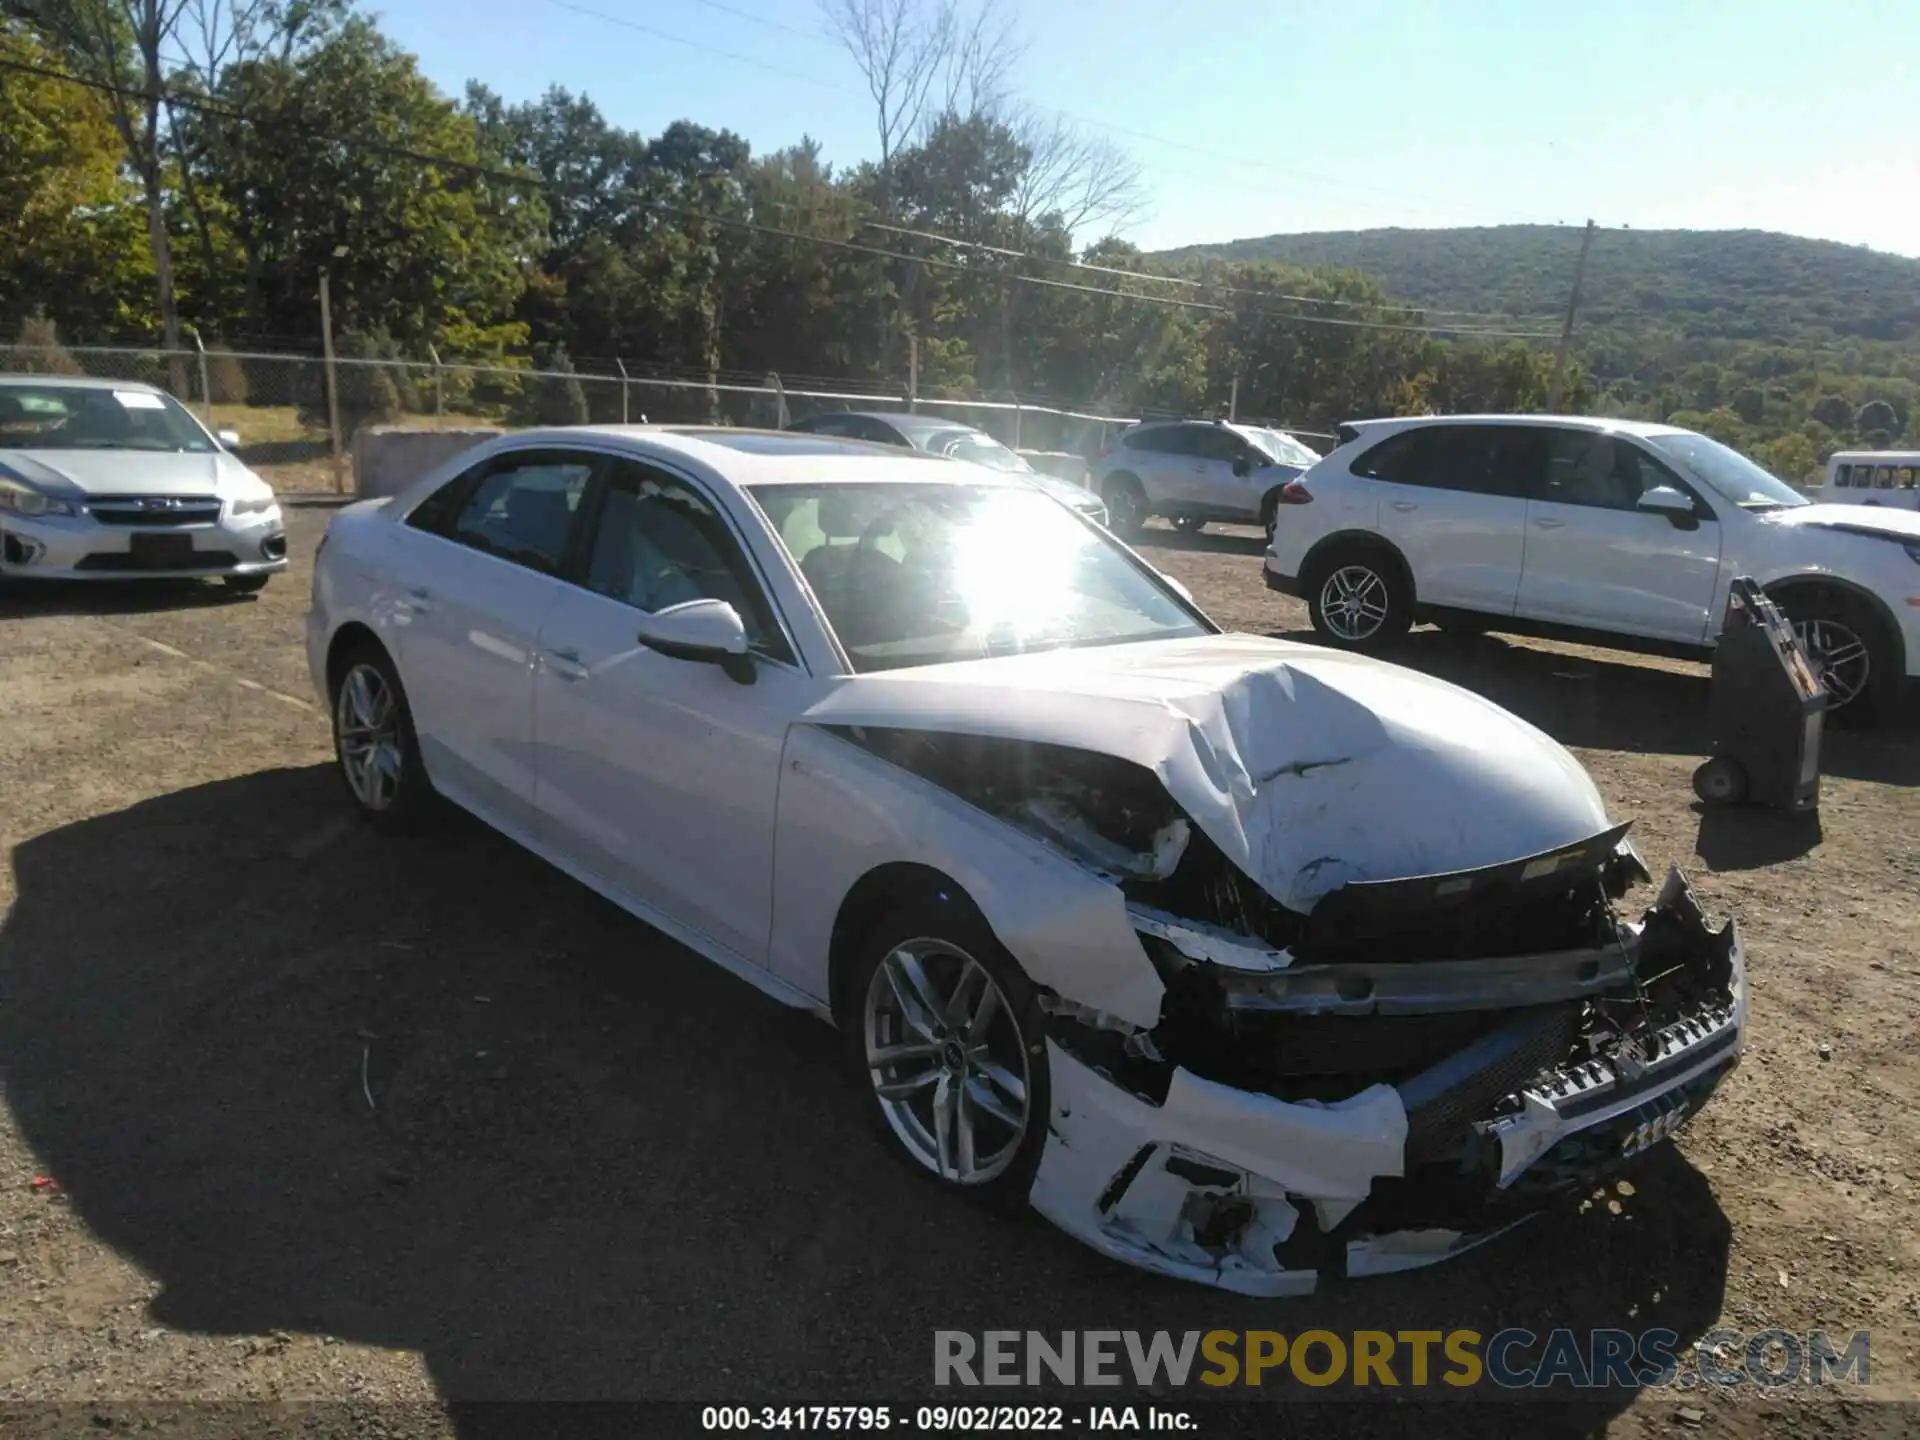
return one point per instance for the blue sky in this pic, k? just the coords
(1250, 118)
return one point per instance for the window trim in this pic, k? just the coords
(593, 502)
(1525, 493)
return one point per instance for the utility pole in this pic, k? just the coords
(1566, 330)
(1233, 400)
(333, 384)
(913, 373)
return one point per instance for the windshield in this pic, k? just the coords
(921, 574)
(980, 449)
(1284, 448)
(1727, 471)
(73, 417)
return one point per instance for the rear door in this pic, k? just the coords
(484, 553)
(1163, 457)
(1594, 559)
(1453, 499)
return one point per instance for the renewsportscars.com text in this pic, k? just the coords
(1511, 1359)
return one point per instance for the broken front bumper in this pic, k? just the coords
(1263, 1196)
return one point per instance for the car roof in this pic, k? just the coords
(1608, 423)
(77, 382)
(750, 458)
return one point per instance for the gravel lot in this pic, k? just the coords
(596, 1167)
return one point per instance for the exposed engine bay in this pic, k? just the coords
(1394, 1074)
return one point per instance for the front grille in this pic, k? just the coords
(156, 510)
(129, 562)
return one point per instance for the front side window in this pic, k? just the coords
(75, 417)
(1216, 443)
(519, 507)
(658, 542)
(922, 574)
(1606, 472)
(1726, 471)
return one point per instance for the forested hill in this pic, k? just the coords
(1707, 284)
(1788, 348)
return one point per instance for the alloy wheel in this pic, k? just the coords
(367, 725)
(947, 1060)
(1840, 658)
(1354, 602)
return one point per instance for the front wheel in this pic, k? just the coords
(1721, 781)
(1849, 654)
(950, 1040)
(1357, 600)
(1189, 524)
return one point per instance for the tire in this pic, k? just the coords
(1126, 505)
(389, 789)
(244, 584)
(916, 970)
(1849, 650)
(1720, 781)
(1189, 524)
(1358, 598)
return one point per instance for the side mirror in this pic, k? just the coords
(707, 632)
(229, 439)
(1243, 466)
(1676, 505)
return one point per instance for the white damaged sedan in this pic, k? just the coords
(1243, 961)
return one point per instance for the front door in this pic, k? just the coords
(1595, 559)
(484, 552)
(659, 775)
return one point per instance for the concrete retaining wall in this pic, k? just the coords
(388, 458)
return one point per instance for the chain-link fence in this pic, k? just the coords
(278, 405)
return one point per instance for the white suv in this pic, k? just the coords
(1593, 529)
(1193, 471)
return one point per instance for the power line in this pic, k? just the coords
(755, 62)
(536, 183)
(1503, 315)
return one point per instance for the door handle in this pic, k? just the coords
(418, 597)
(420, 592)
(1544, 524)
(1403, 505)
(566, 664)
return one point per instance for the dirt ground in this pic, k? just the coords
(325, 1117)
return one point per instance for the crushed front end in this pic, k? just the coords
(1390, 1075)
(1415, 1067)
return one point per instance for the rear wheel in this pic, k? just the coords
(1357, 599)
(1189, 524)
(1849, 651)
(1126, 505)
(948, 1034)
(374, 742)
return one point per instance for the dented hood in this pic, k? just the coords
(1309, 768)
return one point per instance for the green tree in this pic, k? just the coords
(71, 240)
(555, 396)
(1750, 404)
(1834, 413)
(1877, 415)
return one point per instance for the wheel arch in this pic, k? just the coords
(875, 893)
(1820, 582)
(1369, 540)
(348, 638)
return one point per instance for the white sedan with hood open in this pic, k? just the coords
(1243, 961)
(109, 479)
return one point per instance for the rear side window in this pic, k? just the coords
(519, 507)
(1475, 459)
(1161, 440)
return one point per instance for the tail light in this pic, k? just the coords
(1294, 493)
